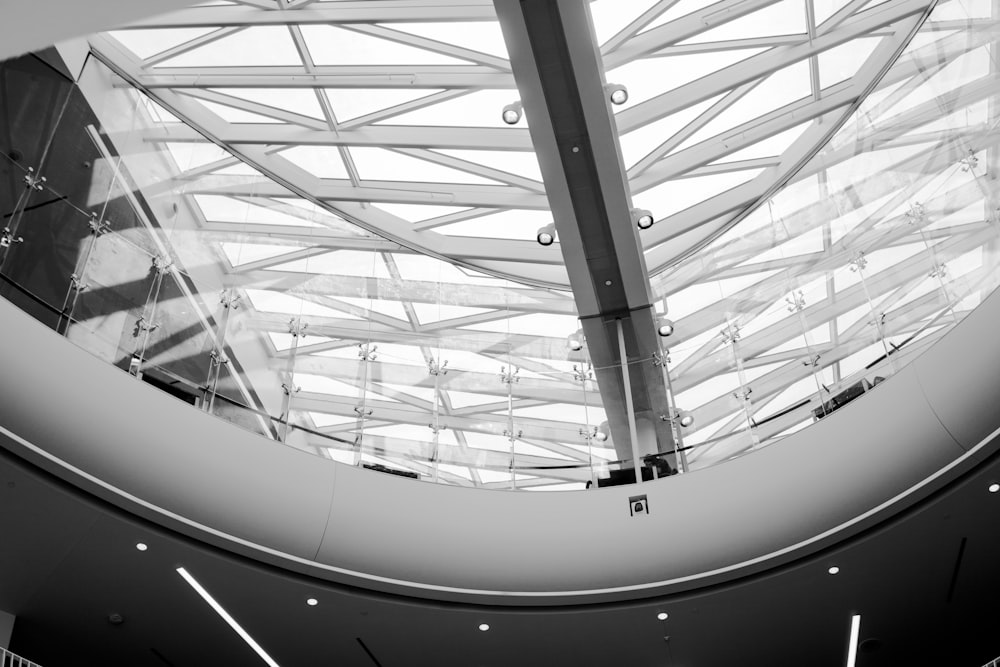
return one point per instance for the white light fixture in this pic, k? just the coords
(662, 616)
(603, 432)
(834, 570)
(546, 235)
(994, 487)
(312, 602)
(617, 93)
(193, 583)
(664, 327)
(512, 113)
(575, 341)
(852, 647)
(484, 627)
(643, 219)
(141, 546)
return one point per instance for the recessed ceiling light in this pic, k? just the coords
(312, 602)
(834, 570)
(994, 487)
(141, 546)
(662, 616)
(484, 626)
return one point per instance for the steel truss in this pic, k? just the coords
(351, 220)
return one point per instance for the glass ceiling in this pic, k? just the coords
(820, 219)
(390, 116)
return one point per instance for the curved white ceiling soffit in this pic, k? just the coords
(36, 25)
(209, 479)
(727, 102)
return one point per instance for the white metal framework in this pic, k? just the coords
(355, 175)
(399, 106)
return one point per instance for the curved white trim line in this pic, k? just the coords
(98, 428)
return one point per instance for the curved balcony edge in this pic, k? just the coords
(100, 430)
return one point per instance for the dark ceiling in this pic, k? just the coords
(926, 586)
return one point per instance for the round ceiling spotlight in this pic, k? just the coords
(546, 235)
(512, 113)
(575, 341)
(664, 327)
(643, 219)
(685, 418)
(662, 616)
(834, 570)
(312, 602)
(483, 627)
(602, 432)
(994, 487)
(141, 546)
(617, 93)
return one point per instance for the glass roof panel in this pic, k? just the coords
(420, 212)
(297, 100)
(676, 195)
(842, 62)
(509, 224)
(320, 161)
(351, 103)
(846, 295)
(483, 36)
(331, 45)
(676, 11)
(764, 310)
(787, 17)
(232, 114)
(771, 147)
(380, 164)
(523, 164)
(148, 43)
(640, 142)
(785, 86)
(824, 9)
(195, 154)
(612, 16)
(480, 108)
(646, 78)
(241, 49)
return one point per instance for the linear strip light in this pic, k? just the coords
(226, 617)
(852, 647)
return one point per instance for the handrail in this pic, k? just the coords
(8, 659)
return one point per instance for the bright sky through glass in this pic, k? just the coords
(395, 129)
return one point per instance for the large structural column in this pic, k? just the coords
(559, 73)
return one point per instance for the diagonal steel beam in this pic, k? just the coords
(558, 70)
(347, 11)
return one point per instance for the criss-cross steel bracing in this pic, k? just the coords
(259, 132)
(407, 160)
